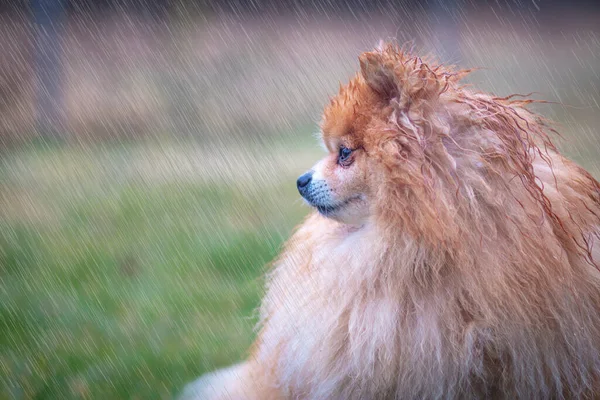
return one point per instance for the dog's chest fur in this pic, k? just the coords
(338, 329)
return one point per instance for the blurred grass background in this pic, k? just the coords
(134, 238)
(125, 272)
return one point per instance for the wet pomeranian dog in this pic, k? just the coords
(450, 255)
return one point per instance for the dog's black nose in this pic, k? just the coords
(304, 180)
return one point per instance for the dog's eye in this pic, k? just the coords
(344, 156)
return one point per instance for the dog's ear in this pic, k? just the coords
(392, 73)
(378, 72)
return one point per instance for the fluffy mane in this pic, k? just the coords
(452, 138)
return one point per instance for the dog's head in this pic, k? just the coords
(340, 185)
(410, 147)
(372, 131)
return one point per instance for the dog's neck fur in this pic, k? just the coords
(364, 301)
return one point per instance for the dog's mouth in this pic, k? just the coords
(330, 209)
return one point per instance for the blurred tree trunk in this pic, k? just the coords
(48, 18)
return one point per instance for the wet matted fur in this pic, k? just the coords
(472, 275)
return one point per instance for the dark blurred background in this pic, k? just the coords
(106, 69)
(148, 154)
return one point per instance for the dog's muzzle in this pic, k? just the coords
(303, 183)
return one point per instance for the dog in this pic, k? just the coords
(450, 254)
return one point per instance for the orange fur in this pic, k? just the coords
(473, 273)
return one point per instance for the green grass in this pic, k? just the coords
(124, 276)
